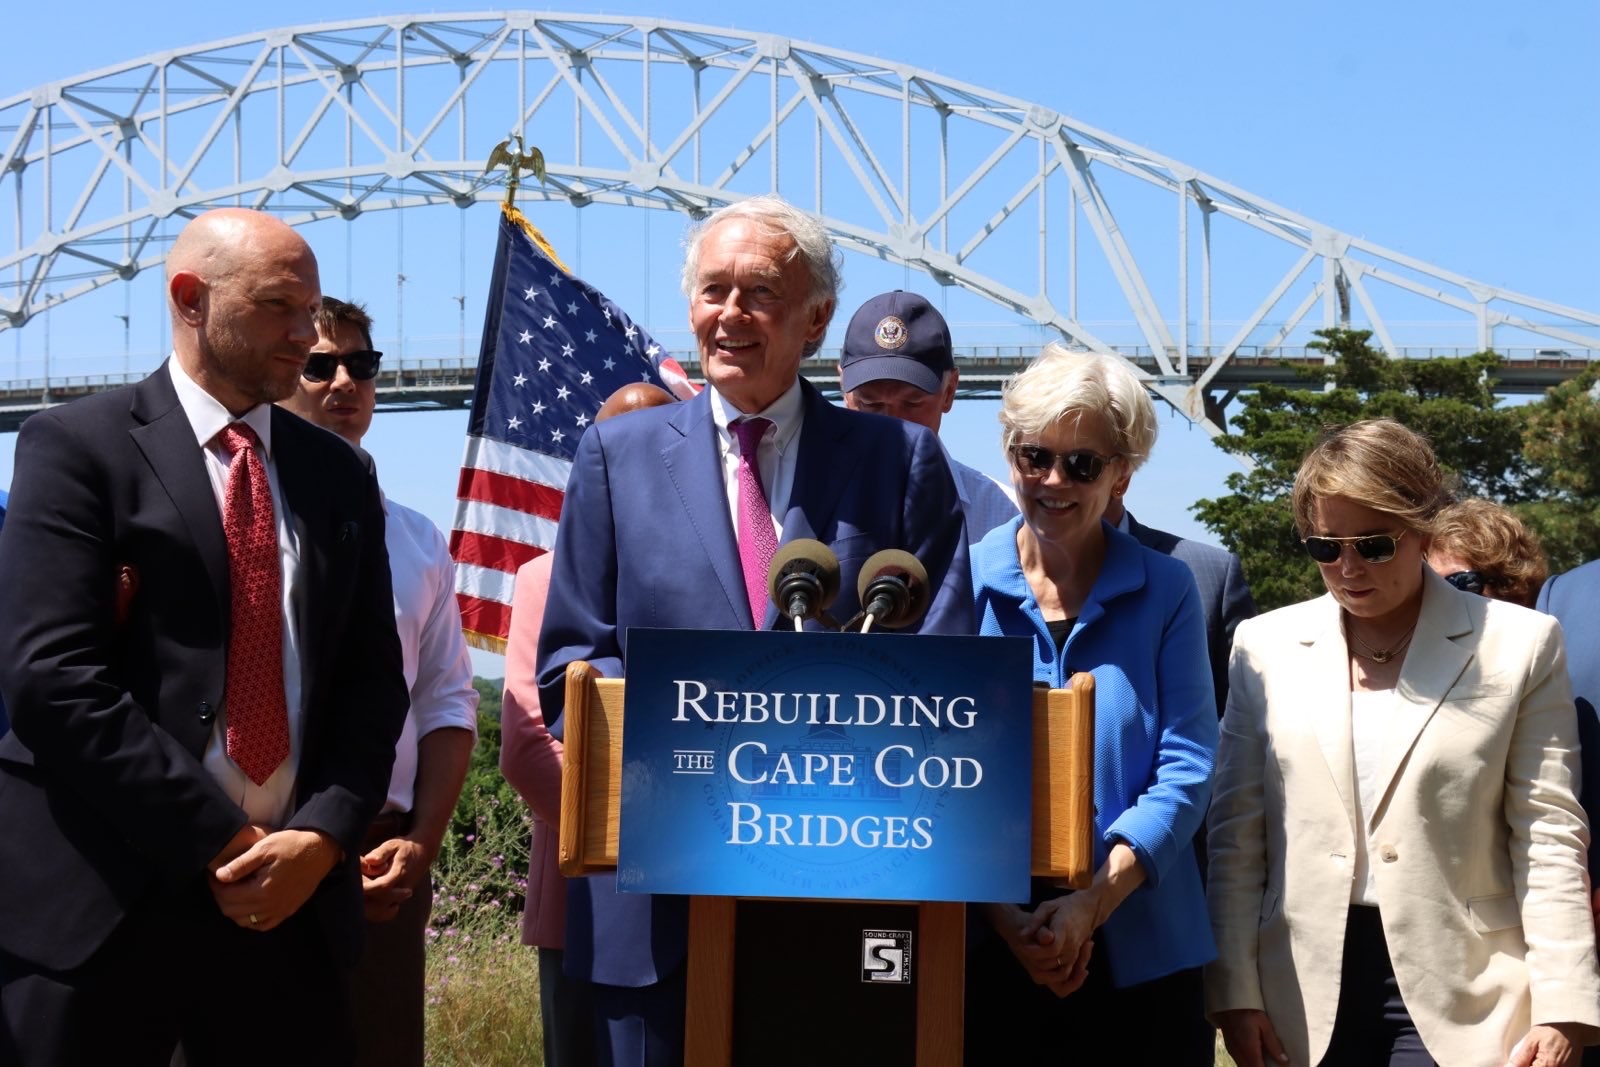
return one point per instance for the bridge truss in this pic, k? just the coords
(1061, 223)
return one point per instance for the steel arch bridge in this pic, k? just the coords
(1063, 224)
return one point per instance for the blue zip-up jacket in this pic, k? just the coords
(1142, 635)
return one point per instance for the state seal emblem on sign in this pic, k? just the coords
(891, 332)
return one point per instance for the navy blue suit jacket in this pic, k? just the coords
(646, 539)
(1224, 594)
(1574, 599)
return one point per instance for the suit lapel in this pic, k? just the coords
(1432, 665)
(166, 439)
(691, 460)
(310, 517)
(817, 480)
(1328, 658)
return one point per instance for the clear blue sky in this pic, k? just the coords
(1460, 133)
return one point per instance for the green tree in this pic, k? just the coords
(1562, 438)
(1451, 401)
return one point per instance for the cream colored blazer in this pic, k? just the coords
(1477, 842)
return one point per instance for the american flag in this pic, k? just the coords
(554, 348)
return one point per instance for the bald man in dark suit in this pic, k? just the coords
(205, 689)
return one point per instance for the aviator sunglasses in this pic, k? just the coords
(1374, 548)
(322, 366)
(1080, 465)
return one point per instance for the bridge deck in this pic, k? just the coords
(433, 384)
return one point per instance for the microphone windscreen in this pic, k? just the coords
(806, 556)
(901, 566)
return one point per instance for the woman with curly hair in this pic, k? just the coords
(1483, 548)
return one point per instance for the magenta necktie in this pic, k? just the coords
(758, 543)
(258, 718)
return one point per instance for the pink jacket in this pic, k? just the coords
(531, 759)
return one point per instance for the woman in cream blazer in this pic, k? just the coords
(1397, 854)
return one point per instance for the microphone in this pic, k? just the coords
(893, 587)
(803, 579)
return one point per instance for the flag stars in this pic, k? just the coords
(544, 365)
(583, 420)
(520, 380)
(525, 336)
(589, 336)
(538, 407)
(563, 393)
(653, 351)
(567, 350)
(529, 293)
(587, 379)
(555, 279)
(572, 308)
(607, 312)
(513, 423)
(549, 322)
(631, 332)
(556, 435)
(609, 364)
(645, 377)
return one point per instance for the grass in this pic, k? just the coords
(483, 1004)
(482, 982)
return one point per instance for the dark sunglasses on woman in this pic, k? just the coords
(322, 366)
(1374, 548)
(1081, 465)
(1466, 581)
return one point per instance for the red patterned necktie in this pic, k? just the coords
(258, 719)
(758, 543)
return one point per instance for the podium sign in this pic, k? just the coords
(827, 766)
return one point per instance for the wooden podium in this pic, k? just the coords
(1063, 849)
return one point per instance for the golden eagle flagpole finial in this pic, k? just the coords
(532, 160)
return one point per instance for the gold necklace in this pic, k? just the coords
(1380, 655)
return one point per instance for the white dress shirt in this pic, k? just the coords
(438, 668)
(272, 802)
(1371, 712)
(777, 456)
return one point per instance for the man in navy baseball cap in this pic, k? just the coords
(898, 361)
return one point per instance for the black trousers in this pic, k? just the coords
(1011, 1021)
(566, 1012)
(1372, 1027)
(177, 970)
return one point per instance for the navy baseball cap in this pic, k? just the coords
(896, 336)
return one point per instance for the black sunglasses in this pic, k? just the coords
(322, 366)
(1374, 548)
(1466, 581)
(1081, 465)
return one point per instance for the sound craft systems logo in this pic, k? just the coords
(886, 956)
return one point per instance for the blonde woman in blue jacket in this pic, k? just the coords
(1122, 957)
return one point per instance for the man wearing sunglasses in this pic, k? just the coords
(897, 360)
(338, 391)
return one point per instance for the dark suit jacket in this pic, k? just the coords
(106, 801)
(1574, 599)
(1224, 594)
(646, 540)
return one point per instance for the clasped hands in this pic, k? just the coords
(1053, 942)
(263, 876)
(389, 876)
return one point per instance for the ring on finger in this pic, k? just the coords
(254, 919)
